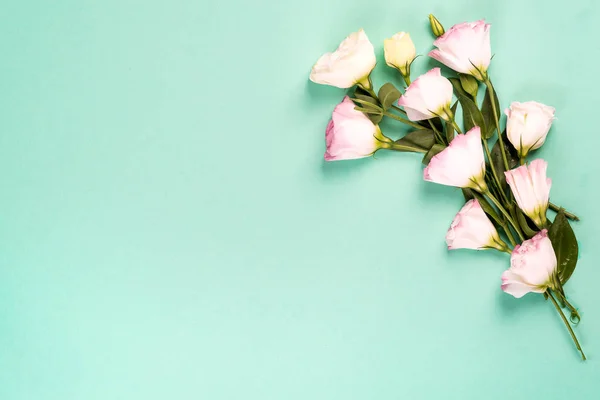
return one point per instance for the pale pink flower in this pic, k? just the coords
(350, 64)
(472, 229)
(461, 164)
(528, 125)
(427, 97)
(350, 134)
(532, 267)
(531, 189)
(465, 48)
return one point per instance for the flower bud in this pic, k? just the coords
(400, 52)
(436, 26)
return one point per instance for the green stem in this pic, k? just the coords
(562, 315)
(404, 121)
(569, 215)
(438, 135)
(509, 234)
(488, 154)
(455, 126)
(490, 87)
(398, 109)
(399, 147)
(506, 214)
(564, 300)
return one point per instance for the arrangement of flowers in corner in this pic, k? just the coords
(507, 198)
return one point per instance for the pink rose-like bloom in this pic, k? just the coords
(528, 125)
(461, 164)
(472, 229)
(350, 134)
(531, 189)
(465, 48)
(532, 266)
(427, 97)
(351, 63)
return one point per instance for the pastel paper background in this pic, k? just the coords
(169, 229)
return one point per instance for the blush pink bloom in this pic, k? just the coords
(531, 189)
(532, 267)
(528, 125)
(351, 63)
(465, 48)
(350, 134)
(461, 164)
(427, 97)
(472, 229)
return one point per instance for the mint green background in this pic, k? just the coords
(169, 230)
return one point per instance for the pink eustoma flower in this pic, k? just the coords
(465, 48)
(531, 189)
(350, 134)
(472, 229)
(461, 164)
(532, 266)
(427, 97)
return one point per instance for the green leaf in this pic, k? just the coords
(487, 208)
(471, 114)
(524, 224)
(565, 246)
(388, 95)
(421, 140)
(435, 149)
(367, 98)
(369, 106)
(469, 85)
(511, 155)
(488, 113)
(449, 128)
(375, 118)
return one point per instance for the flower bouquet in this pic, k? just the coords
(507, 197)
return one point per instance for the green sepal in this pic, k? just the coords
(524, 224)
(471, 114)
(565, 246)
(435, 149)
(421, 140)
(388, 95)
(488, 113)
(469, 84)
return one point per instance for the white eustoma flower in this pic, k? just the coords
(528, 125)
(349, 65)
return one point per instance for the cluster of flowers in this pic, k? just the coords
(507, 199)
